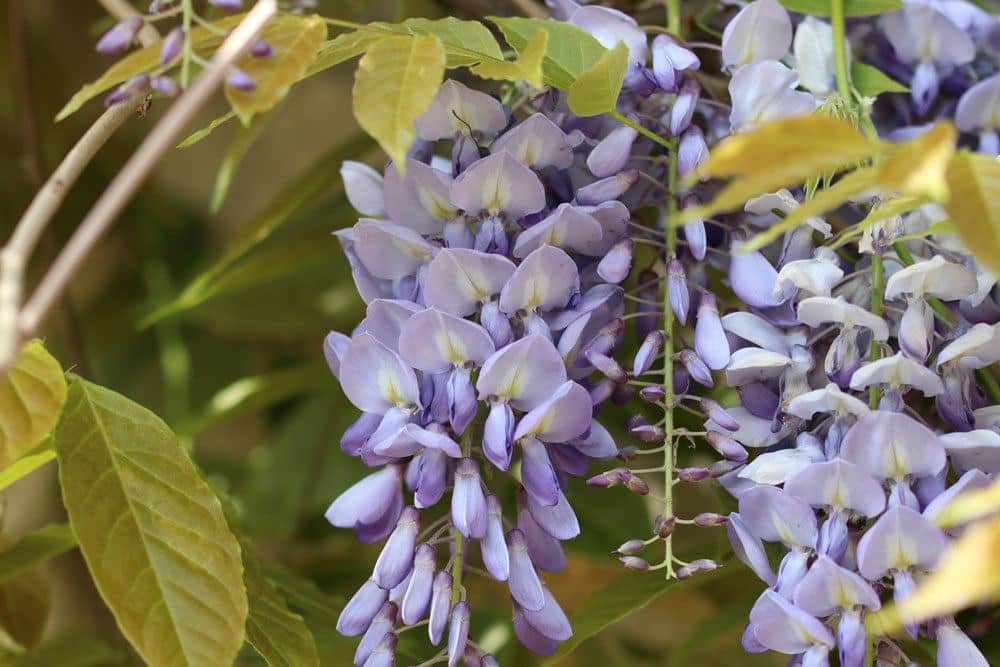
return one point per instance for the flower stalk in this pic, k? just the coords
(837, 20)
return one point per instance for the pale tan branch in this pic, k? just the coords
(134, 173)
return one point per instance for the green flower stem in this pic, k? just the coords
(674, 16)
(878, 307)
(186, 20)
(985, 376)
(652, 136)
(837, 19)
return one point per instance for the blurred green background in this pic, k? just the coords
(235, 366)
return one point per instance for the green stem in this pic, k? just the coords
(674, 16)
(668, 364)
(186, 58)
(878, 307)
(666, 143)
(837, 19)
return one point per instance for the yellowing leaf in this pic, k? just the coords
(568, 54)
(967, 575)
(850, 185)
(781, 154)
(596, 90)
(31, 398)
(397, 79)
(971, 505)
(527, 67)
(294, 41)
(146, 60)
(917, 167)
(151, 531)
(342, 48)
(974, 205)
(24, 466)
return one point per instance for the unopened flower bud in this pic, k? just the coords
(240, 80)
(607, 479)
(652, 394)
(648, 352)
(172, 45)
(692, 475)
(628, 453)
(727, 446)
(664, 526)
(720, 468)
(695, 567)
(261, 49)
(631, 548)
(634, 563)
(120, 36)
(606, 365)
(718, 414)
(128, 90)
(696, 368)
(602, 391)
(603, 341)
(677, 290)
(648, 433)
(710, 520)
(227, 5)
(165, 86)
(636, 485)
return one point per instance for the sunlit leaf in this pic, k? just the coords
(341, 49)
(197, 136)
(32, 395)
(25, 603)
(254, 393)
(68, 652)
(596, 90)
(147, 59)
(396, 80)
(294, 41)
(780, 154)
(826, 199)
(967, 575)
(971, 505)
(872, 82)
(36, 547)
(527, 67)
(622, 596)
(465, 42)
(974, 205)
(918, 167)
(568, 54)
(25, 465)
(151, 531)
(243, 138)
(851, 7)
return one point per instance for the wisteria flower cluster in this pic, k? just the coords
(497, 269)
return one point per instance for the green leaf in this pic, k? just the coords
(341, 49)
(465, 42)
(569, 52)
(851, 7)
(974, 205)
(596, 91)
(147, 59)
(34, 548)
(25, 603)
(243, 138)
(31, 397)
(527, 67)
(197, 136)
(872, 82)
(254, 393)
(151, 531)
(622, 596)
(396, 80)
(294, 41)
(68, 652)
(24, 466)
(319, 181)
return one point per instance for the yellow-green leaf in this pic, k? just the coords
(151, 531)
(872, 82)
(24, 466)
(851, 7)
(147, 59)
(465, 42)
(342, 48)
(967, 575)
(397, 79)
(852, 184)
(918, 167)
(568, 54)
(971, 505)
(25, 602)
(31, 397)
(527, 67)
(34, 548)
(781, 154)
(294, 41)
(596, 90)
(68, 652)
(974, 205)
